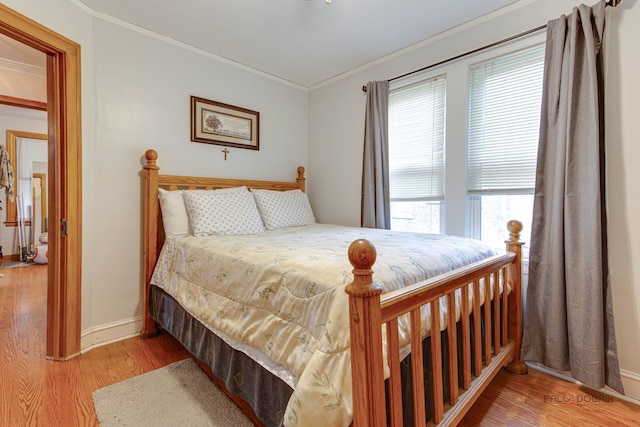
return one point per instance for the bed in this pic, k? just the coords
(291, 349)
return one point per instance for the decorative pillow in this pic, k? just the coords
(280, 209)
(174, 213)
(226, 213)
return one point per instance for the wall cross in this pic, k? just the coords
(225, 151)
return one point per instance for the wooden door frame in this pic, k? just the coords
(64, 282)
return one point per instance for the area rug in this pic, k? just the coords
(12, 264)
(178, 394)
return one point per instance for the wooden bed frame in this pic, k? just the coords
(496, 327)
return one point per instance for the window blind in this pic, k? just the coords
(504, 120)
(416, 141)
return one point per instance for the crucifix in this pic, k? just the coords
(225, 151)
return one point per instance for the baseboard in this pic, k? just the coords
(109, 333)
(630, 382)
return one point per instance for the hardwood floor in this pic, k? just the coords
(39, 392)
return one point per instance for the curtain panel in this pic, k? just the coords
(569, 315)
(375, 211)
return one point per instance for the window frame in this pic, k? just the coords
(460, 212)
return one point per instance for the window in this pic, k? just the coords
(504, 120)
(416, 155)
(463, 143)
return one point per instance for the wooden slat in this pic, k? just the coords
(436, 363)
(505, 306)
(496, 312)
(452, 337)
(394, 389)
(477, 334)
(487, 319)
(417, 370)
(466, 338)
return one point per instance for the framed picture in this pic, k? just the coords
(223, 124)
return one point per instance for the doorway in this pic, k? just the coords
(23, 149)
(64, 179)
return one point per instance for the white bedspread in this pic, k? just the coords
(283, 292)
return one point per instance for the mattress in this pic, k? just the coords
(281, 295)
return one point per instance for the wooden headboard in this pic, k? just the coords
(152, 217)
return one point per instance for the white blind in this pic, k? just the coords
(504, 120)
(416, 141)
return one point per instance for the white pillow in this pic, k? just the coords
(225, 213)
(174, 213)
(280, 209)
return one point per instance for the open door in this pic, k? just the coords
(64, 183)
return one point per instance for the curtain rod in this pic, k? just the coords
(613, 3)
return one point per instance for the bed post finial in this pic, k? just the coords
(514, 227)
(151, 156)
(362, 256)
(366, 337)
(301, 179)
(514, 271)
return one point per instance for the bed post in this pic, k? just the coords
(366, 338)
(301, 180)
(517, 366)
(150, 240)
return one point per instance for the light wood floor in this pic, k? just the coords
(38, 392)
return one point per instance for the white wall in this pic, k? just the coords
(25, 120)
(623, 185)
(336, 124)
(142, 93)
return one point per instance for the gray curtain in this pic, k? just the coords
(569, 315)
(375, 168)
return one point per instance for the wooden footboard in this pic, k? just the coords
(495, 325)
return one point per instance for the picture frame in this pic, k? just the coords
(217, 123)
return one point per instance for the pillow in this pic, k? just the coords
(225, 213)
(174, 213)
(280, 209)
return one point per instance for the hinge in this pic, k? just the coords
(63, 227)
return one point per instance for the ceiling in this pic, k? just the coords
(304, 42)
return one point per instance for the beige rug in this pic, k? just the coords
(12, 264)
(180, 394)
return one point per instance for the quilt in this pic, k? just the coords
(283, 292)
